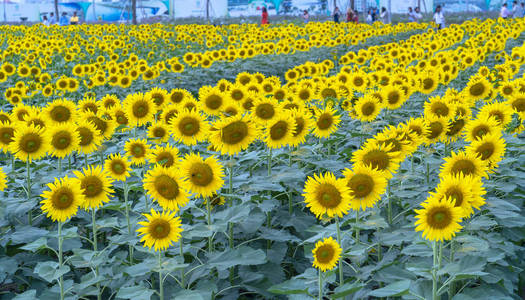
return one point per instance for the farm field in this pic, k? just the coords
(284, 161)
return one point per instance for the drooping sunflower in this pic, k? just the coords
(280, 130)
(454, 129)
(90, 137)
(140, 109)
(438, 219)
(158, 132)
(61, 111)
(167, 156)
(325, 194)
(517, 102)
(490, 148)
(366, 186)
(437, 129)
(96, 186)
(7, 133)
(233, 134)
(161, 230)
(117, 167)
(63, 199)
(326, 254)
(303, 122)
(367, 108)
(204, 176)
(468, 164)
(29, 143)
(64, 139)
(326, 122)
(166, 187)
(189, 127)
(501, 111)
(3, 180)
(377, 156)
(458, 188)
(477, 128)
(105, 126)
(137, 150)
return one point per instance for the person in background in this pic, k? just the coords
(337, 14)
(385, 16)
(417, 14)
(438, 18)
(45, 21)
(504, 12)
(349, 15)
(52, 19)
(411, 15)
(74, 19)
(306, 16)
(369, 18)
(64, 20)
(517, 10)
(356, 17)
(264, 16)
(374, 14)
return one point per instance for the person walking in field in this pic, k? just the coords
(411, 15)
(504, 12)
(64, 20)
(517, 10)
(264, 16)
(337, 14)
(306, 16)
(417, 14)
(385, 15)
(438, 18)
(74, 19)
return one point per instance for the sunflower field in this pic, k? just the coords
(283, 161)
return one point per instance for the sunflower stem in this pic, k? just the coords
(208, 218)
(60, 261)
(435, 268)
(182, 277)
(321, 285)
(28, 177)
(126, 204)
(59, 165)
(95, 248)
(12, 163)
(428, 174)
(290, 203)
(230, 224)
(341, 281)
(451, 288)
(357, 231)
(389, 208)
(269, 162)
(161, 281)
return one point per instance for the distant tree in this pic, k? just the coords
(56, 9)
(134, 11)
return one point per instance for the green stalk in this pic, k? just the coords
(230, 224)
(28, 177)
(208, 218)
(389, 208)
(290, 204)
(126, 194)
(181, 252)
(60, 260)
(428, 174)
(451, 288)
(320, 285)
(86, 164)
(59, 165)
(95, 248)
(341, 281)
(434, 270)
(69, 162)
(357, 231)
(161, 281)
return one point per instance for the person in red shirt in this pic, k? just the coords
(264, 16)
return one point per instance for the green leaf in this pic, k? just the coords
(39, 244)
(347, 289)
(292, 286)
(27, 295)
(140, 269)
(135, 292)
(394, 289)
(50, 270)
(467, 267)
(243, 255)
(419, 249)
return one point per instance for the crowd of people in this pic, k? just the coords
(518, 10)
(64, 19)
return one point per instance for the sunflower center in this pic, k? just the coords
(159, 132)
(201, 174)
(480, 130)
(428, 83)
(140, 109)
(213, 102)
(485, 150)
(138, 150)
(279, 95)
(325, 121)
(392, 142)
(507, 90)
(60, 113)
(166, 186)
(304, 95)
(377, 159)
(477, 89)
(237, 95)
(235, 132)
(166, 158)
(117, 167)
(265, 111)
(393, 97)
(86, 136)
(122, 120)
(416, 129)
(92, 186)
(62, 198)
(361, 185)
(30, 143)
(497, 115)
(278, 131)
(300, 126)
(328, 195)
(176, 97)
(61, 140)
(464, 166)
(7, 135)
(436, 128)
(455, 194)
(189, 126)
(368, 108)
(440, 109)
(519, 104)
(158, 99)
(439, 218)
(456, 127)
(328, 92)
(159, 229)
(99, 123)
(358, 81)
(324, 254)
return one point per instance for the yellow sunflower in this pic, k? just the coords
(378, 157)
(189, 127)
(264, 110)
(3, 180)
(490, 148)
(204, 176)
(29, 143)
(117, 167)
(90, 137)
(279, 132)
(326, 122)
(436, 129)
(233, 134)
(303, 122)
(326, 254)
(96, 186)
(478, 87)
(167, 156)
(7, 133)
(327, 195)
(158, 132)
(161, 230)
(212, 100)
(137, 150)
(458, 188)
(64, 139)
(166, 187)
(501, 111)
(438, 219)
(63, 199)
(477, 128)
(367, 108)
(366, 186)
(140, 109)
(466, 163)
(61, 111)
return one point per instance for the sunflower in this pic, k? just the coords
(279, 132)
(215, 200)
(233, 134)
(189, 127)
(96, 186)
(167, 156)
(110, 101)
(166, 187)
(137, 149)
(417, 127)
(326, 122)
(367, 108)
(158, 96)
(366, 186)
(428, 83)
(158, 132)
(211, 100)
(61, 111)
(326, 254)
(176, 96)
(439, 108)
(264, 110)
(438, 219)
(204, 176)
(517, 102)
(64, 140)
(63, 199)
(394, 97)
(7, 132)
(490, 148)
(478, 87)
(303, 122)
(117, 167)
(29, 143)
(466, 163)
(89, 104)
(327, 195)
(378, 157)
(3, 180)
(477, 128)
(161, 230)
(140, 109)
(437, 129)
(501, 111)
(118, 115)
(458, 188)
(90, 137)
(454, 130)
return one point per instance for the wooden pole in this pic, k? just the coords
(56, 10)
(134, 11)
(208, 10)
